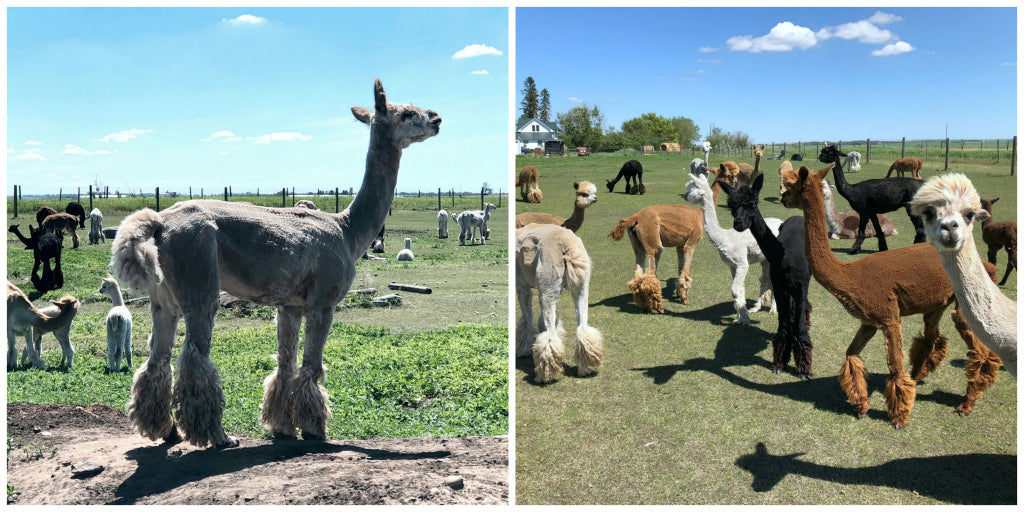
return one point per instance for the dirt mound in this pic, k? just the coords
(55, 441)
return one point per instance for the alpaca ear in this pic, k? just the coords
(802, 173)
(994, 200)
(758, 183)
(981, 215)
(363, 114)
(824, 172)
(576, 185)
(380, 100)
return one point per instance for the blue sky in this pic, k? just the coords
(137, 98)
(782, 74)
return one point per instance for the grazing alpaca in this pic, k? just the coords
(300, 261)
(844, 224)
(877, 290)
(472, 220)
(950, 206)
(23, 319)
(999, 235)
(903, 166)
(119, 326)
(529, 185)
(789, 274)
(43, 213)
(96, 227)
(305, 203)
(78, 211)
(872, 197)
(551, 258)
(652, 229)
(586, 195)
(61, 332)
(852, 162)
(45, 247)
(406, 254)
(737, 250)
(797, 157)
(60, 222)
(442, 224)
(633, 171)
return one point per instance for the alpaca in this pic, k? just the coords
(23, 319)
(378, 241)
(30, 243)
(844, 224)
(78, 211)
(788, 271)
(780, 156)
(852, 162)
(62, 333)
(529, 185)
(737, 250)
(406, 254)
(903, 166)
(586, 195)
(96, 227)
(43, 213)
(748, 174)
(872, 197)
(119, 326)
(797, 157)
(698, 166)
(551, 258)
(652, 229)
(633, 171)
(729, 173)
(305, 203)
(60, 222)
(45, 247)
(950, 206)
(999, 235)
(472, 220)
(877, 290)
(183, 256)
(442, 224)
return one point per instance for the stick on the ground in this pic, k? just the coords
(409, 288)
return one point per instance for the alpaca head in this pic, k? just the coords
(949, 206)
(488, 207)
(802, 187)
(610, 185)
(586, 194)
(408, 243)
(729, 172)
(109, 286)
(830, 154)
(66, 303)
(697, 189)
(707, 146)
(743, 202)
(401, 124)
(758, 151)
(987, 205)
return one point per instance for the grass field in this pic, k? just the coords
(435, 366)
(686, 411)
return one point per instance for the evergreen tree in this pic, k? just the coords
(529, 105)
(545, 106)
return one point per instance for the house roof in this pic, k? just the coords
(525, 121)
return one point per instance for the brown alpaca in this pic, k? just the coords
(999, 235)
(646, 290)
(586, 195)
(748, 174)
(654, 228)
(906, 165)
(529, 185)
(878, 289)
(60, 222)
(728, 172)
(43, 213)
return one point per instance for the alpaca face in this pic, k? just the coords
(949, 205)
(697, 190)
(586, 194)
(109, 287)
(830, 154)
(743, 204)
(403, 124)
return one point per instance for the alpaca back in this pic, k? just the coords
(119, 336)
(135, 254)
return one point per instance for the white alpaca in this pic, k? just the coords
(406, 254)
(306, 203)
(183, 256)
(96, 227)
(852, 162)
(442, 224)
(738, 250)
(699, 166)
(119, 326)
(950, 206)
(471, 221)
(23, 319)
(550, 258)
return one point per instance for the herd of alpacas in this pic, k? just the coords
(877, 289)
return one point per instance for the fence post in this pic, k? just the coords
(997, 151)
(60, 194)
(158, 199)
(903, 147)
(438, 198)
(190, 193)
(336, 203)
(946, 168)
(79, 201)
(15, 201)
(867, 151)
(1013, 157)
(225, 193)
(926, 149)
(481, 198)
(499, 198)
(201, 194)
(293, 195)
(283, 197)
(90, 198)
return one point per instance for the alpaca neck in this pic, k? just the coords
(369, 208)
(576, 220)
(715, 232)
(27, 241)
(824, 265)
(841, 183)
(757, 163)
(115, 297)
(766, 240)
(831, 217)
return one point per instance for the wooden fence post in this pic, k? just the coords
(293, 195)
(903, 147)
(867, 151)
(481, 198)
(190, 192)
(60, 194)
(499, 198)
(79, 200)
(90, 198)
(15, 201)
(336, 203)
(225, 193)
(946, 168)
(283, 197)
(438, 198)
(1013, 157)
(997, 151)
(158, 199)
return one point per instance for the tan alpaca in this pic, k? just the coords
(23, 319)
(59, 223)
(877, 290)
(728, 172)
(950, 206)
(300, 261)
(529, 185)
(651, 230)
(552, 258)
(904, 166)
(586, 195)
(748, 174)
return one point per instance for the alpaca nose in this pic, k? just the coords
(949, 225)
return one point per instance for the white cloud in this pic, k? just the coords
(245, 19)
(476, 50)
(31, 154)
(1014, 64)
(864, 32)
(280, 137)
(12, 150)
(893, 49)
(101, 152)
(71, 149)
(124, 135)
(574, 99)
(709, 61)
(479, 72)
(33, 143)
(783, 37)
(707, 49)
(882, 18)
(224, 135)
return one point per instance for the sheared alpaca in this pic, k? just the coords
(300, 261)
(442, 224)
(852, 162)
(529, 185)
(45, 247)
(77, 211)
(789, 273)
(60, 222)
(119, 326)
(23, 319)
(737, 250)
(650, 230)
(62, 333)
(999, 235)
(844, 224)
(877, 290)
(552, 258)
(951, 206)
(96, 227)
(904, 166)
(43, 213)
(633, 171)
(305, 203)
(406, 254)
(472, 220)
(586, 195)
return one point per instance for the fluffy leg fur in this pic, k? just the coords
(589, 350)
(275, 413)
(548, 357)
(198, 399)
(526, 331)
(149, 408)
(899, 388)
(852, 375)
(982, 365)
(310, 404)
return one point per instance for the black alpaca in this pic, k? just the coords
(42, 214)
(633, 171)
(788, 270)
(76, 209)
(872, 197)
(44, 247)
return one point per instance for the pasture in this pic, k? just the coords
(685, 409)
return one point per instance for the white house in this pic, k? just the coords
(533, 133)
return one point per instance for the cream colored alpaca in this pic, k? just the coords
(23, 319)
(306, 203)
(300, 261)
(551, 258)
(586, 195)
(950, 206)
(119, 326)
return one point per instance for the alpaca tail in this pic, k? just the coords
(616, 233)
(577, 265)
(135, 252)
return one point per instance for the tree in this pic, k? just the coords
(740, 139)
(545, 106)
(719, 139)
(686, 130)
(529, 104)
(650, 129)
(581, 126)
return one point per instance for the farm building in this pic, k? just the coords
(533, 133)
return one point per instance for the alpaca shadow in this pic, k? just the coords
(846, 250)
(773, 200)
(964, 479)
(159, 472)
(624, 302)
(739, 346)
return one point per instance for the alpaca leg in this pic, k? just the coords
(589, 342)
(526, 331)
(198, 397)
(310, 405)
(878, 233)
(800, 334)
(739, 299)
(928, 349)
(12, 351)
(982, 364)
(766, 296)
(860, 234)
(128, 346)
(275, 414)
(684, 281)
(918, 225)
(67, 351)
(782, 342)
(149, 408)
(33, 354)
(899, 388)
(852, 375)
(1011, 253)
(548, 350)
(993, 253)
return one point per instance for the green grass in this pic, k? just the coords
(435, 366)
(676, 413)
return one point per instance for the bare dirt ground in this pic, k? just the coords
(55, 440)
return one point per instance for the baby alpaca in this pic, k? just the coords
(119, 326)
(999, 235)
(306, 203)
(60, 222)
(406, 254)
(96, 227)
(62, 333)
(906, 165)
(23, 319)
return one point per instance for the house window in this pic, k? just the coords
(536, 128)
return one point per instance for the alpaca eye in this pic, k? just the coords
(929, 214)
(407, 114)
(969, 216)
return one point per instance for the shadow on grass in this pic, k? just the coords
(715, 314)
(968, 479)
